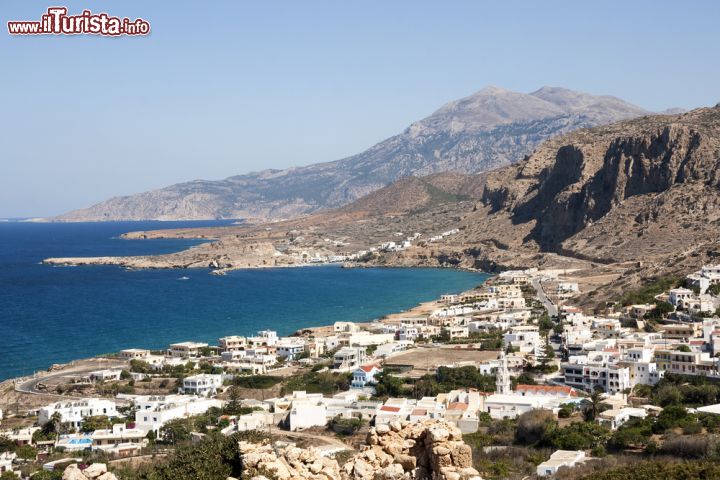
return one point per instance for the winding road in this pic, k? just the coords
(30, 385)
(547, 303)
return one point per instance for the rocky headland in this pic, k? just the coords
(619, 204)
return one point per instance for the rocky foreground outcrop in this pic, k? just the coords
(96, 471)
(402, 450)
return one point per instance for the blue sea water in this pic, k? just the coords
(57, 314)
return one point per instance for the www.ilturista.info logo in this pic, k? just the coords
(57, 22)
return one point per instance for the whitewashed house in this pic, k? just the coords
(73, 412)
(561, 458)
(203, 385)
(365, 375)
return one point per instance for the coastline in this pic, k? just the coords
(420, 309)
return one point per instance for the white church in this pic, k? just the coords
(509, 403)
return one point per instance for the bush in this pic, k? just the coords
(636, 432)
(672, 416)
(659, 470)
(533, 426)
(316, 382)
(647, 293)
(695, 446)
(566, 410)
(215, 457)
(345, 426)
(578, 436)
(464, 377)
(257, 381)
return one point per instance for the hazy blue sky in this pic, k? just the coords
(222, 88)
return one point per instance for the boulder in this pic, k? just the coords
(72, 472)
(95, 470)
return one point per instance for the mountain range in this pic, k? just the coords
(617, 204)
(491, 128)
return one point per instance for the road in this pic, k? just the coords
(549, 305)
(30, 386)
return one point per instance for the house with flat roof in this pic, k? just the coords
(73, 412)
(232, 343)
(186, 349)
(349, 358)
(561, 458)
(113, 438)
(134, 353)
(203, 385)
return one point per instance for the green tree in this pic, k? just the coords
(388, 385)
(578, 436)
(26, 452)
(533, 426)
(593, 405)
(215, 457)
(140, 366)
(547, 354)
(6, 444)
(232, 407)
(671, 417)
(661, 310)
(667, 395)
(545, 324)
(176, 431)
(96, 422)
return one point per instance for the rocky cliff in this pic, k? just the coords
(623, 202)
(428, 450)
(489, 129)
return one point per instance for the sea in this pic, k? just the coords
(55, 314)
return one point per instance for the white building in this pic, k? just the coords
(289, 349)
(680, 297)
(153, 412)
(232, 343)
(384, 351)
(616, 417)
(186, 349)
(349, 358)
(345, 327)
(203, 385)
(6, 462)
(306, 411)
(134, 353)
(597, 369)
(73, 412)
(105, 375)
(524, 338)
(365, 375)
(270, 336)
(116, 437)
(561, 458)
(706, 276)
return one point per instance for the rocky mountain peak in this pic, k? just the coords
(488, 129)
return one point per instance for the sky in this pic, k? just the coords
(224, 88)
